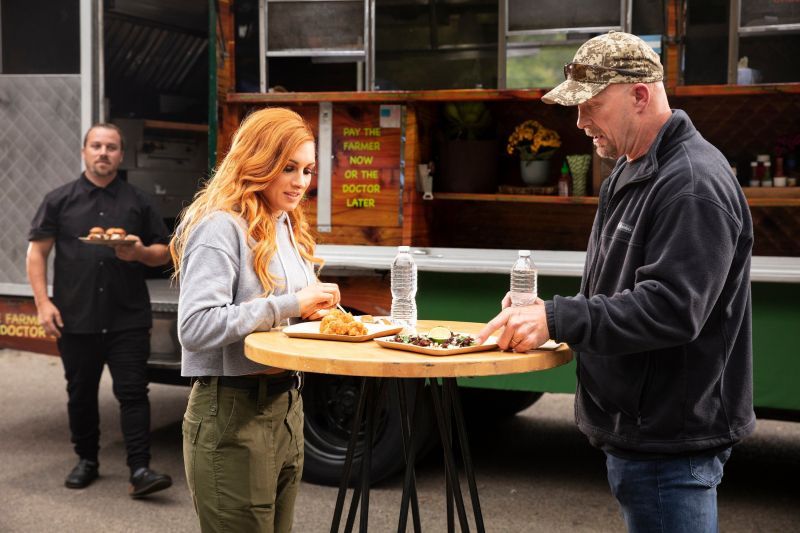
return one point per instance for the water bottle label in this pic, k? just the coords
(523, 282)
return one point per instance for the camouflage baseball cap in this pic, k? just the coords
(614, 57)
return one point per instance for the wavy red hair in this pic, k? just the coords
(260, 150)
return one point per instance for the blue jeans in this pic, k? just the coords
(668, 495)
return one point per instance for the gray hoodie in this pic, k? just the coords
(221, 299)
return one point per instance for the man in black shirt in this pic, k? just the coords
(100, 311)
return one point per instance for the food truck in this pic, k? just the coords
(413, 103)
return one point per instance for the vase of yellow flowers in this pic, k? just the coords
(535, 145)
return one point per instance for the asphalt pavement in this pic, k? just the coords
(535, 472)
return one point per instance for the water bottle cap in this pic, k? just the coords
(403, 248)
(524, 253)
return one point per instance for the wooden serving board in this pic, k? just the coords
(387, 342)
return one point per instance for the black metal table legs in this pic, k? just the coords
(447, 409)
(446, 402)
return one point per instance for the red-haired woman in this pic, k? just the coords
(244, 258)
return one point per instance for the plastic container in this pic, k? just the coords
(779, 179)
(523, 280)
(404, 289)
(755, 178)
(766, 175)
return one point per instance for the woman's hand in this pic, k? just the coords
(316, 297)
(317, 315)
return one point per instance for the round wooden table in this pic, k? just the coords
(374, 363)
(367, 359)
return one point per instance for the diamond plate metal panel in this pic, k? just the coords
(40, 142)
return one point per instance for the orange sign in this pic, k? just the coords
(20, 328)
(365, 181)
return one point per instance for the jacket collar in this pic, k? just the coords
(674, 130)
(89, 187)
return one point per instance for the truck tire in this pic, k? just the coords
(330, 403)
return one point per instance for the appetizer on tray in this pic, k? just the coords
(438, 341)
(340, 326)
(108, 237)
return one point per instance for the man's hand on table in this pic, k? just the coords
(525, 327)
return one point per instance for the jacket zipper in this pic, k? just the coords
(603, 212)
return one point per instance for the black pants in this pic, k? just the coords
(126, 354)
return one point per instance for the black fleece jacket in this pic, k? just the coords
(662, 325)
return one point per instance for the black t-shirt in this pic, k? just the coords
(626, 174)
(94, 291)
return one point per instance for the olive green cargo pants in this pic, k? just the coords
(243, 454)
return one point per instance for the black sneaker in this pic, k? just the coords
(145, 481)
(82, 475)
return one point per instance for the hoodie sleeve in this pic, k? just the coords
(207, 317)
(688, 254)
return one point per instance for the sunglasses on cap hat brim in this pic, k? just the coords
(586, 73)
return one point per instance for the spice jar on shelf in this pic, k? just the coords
(755, 179)
(779, 180)
(563, 180)
(766, 175)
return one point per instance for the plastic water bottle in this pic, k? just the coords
(523, 280)
(404, 289)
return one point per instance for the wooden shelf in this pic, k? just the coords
(756, 197)
(466, 95)
(773, 202)
(736, 90)
(175, 126)
(521, 198)
(456, 95)
(772, 196)
(772, 192)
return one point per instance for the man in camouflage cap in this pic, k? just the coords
(615, 57)
(606, 70)
(661, 329)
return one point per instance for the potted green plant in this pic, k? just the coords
(468, 152)
(535, 145)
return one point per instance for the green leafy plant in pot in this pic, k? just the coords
(468, 154)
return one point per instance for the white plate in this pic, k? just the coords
(107, 242)
(310, 330)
